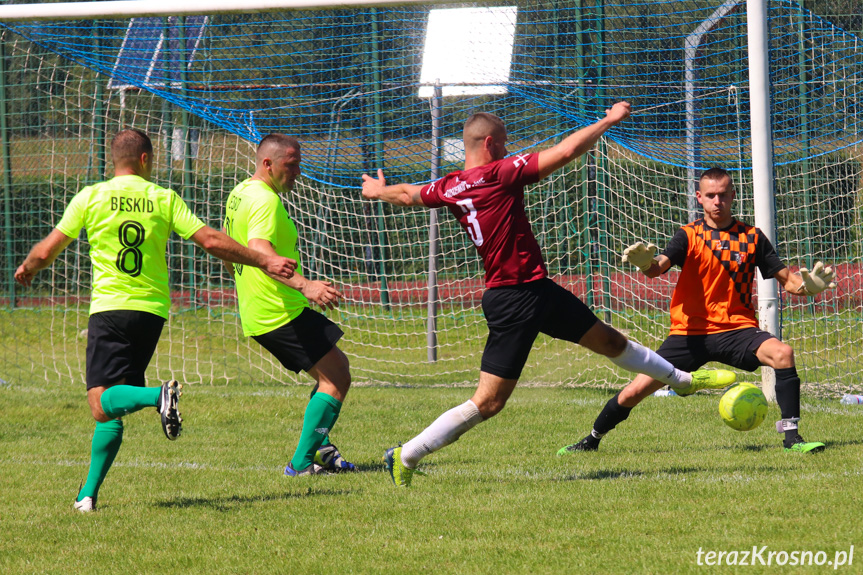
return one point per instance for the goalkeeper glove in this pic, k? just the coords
(640, 255)
(819, 279)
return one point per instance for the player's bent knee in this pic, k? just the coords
(98, 414)
(604, 339)
(631, 397)
(784, 356)
(617, 344)
(94, 399)
(490, 407)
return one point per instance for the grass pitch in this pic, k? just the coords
(670, 481)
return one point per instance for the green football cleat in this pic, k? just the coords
(807, 447)
(589, 443)
(708, 379)
(801, 446)
(400, 474)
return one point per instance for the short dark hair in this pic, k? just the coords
(715, 174)
(479, 126)
(129, 144)
(280, 140)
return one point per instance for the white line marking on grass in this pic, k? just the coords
(144, 465)
(846, 410)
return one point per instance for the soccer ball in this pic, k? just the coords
(743, 407)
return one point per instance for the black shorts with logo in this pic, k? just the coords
(517, 314)
(120, 344)
(734, 348)
(302, 342)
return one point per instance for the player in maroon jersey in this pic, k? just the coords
(521, 301)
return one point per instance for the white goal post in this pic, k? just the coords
(135, 8)
(362, 113)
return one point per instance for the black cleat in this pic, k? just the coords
(329, 458)
(171, 420)
(589, 443)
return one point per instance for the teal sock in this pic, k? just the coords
(122, 400)
(321, 415)
(326, 440)
(106, 443)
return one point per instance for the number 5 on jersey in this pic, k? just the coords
(473, 231)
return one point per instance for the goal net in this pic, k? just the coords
(349, 84)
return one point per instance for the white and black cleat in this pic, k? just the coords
(171, 420)
(86, 505)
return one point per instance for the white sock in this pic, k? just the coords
(444, 430)
(639, 359)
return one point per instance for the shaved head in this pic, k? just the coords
(277, 162)
(480, 126)
(128, 146)
(275, 146)
(715, 174)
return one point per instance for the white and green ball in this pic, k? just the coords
(743, 407)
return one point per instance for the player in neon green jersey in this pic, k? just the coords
(128, 222)
(275, 311)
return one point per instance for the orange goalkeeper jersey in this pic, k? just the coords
(714, 289)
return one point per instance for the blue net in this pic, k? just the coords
(347, 81)
(353, 86)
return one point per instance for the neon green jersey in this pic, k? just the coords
(128, 221)
(255, 211)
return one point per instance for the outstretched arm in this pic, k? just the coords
(581, 141)
(398, 194)
(642, 257)
(808, 283)
(225, 248)
(41, 256)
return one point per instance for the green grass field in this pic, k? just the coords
(206, 345)
(670, 481)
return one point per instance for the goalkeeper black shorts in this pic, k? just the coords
(735, 348)
(517, 314)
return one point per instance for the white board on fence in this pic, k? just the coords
(468, 50)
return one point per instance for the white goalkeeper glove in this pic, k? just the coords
(640, 255)
(819, 279)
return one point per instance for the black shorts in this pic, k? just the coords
(735, 348)
(120, 345)
(517, 314)
(302, 342)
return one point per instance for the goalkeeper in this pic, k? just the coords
(712, 317)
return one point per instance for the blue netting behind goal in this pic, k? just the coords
(347, 81)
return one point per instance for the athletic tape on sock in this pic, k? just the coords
(784, 425)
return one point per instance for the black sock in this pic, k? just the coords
(612, 414)
(788, 398)
(788, 392)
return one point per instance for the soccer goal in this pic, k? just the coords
(350, 83)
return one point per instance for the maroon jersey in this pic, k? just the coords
(488, 202)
